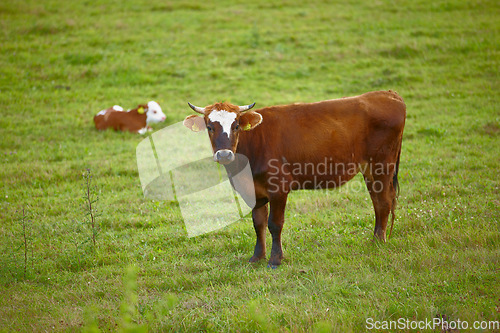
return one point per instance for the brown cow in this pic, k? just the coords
(136, 120)
(310, 146)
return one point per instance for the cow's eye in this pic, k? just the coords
(237, 127)
(210, 128)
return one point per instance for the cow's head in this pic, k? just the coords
(153, 112)
(224, 122)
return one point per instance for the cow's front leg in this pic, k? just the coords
(275, 225)
(259, 216)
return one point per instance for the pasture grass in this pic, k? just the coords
(62, 62)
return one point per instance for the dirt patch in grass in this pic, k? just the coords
(491, 129)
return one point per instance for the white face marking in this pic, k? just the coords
(224, 118)
(154, 114)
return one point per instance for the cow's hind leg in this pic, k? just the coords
(259, 216)
(383, 195)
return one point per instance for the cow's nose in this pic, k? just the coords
(224, 156)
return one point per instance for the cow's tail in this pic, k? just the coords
(395, 184)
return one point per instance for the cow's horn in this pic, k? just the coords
(246, 107)
(197, 108)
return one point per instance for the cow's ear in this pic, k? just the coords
(194, 123)
(249, 120)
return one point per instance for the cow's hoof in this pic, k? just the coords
(254, 259)
(379, 239)
(272, 266)
(379, 235)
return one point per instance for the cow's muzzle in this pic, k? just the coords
(224, 156)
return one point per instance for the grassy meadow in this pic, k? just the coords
(63, 61)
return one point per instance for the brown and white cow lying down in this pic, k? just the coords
(135, 120)
(310, 146)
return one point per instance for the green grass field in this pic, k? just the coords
(63, 61)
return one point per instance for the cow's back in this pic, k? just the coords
(345, 130)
